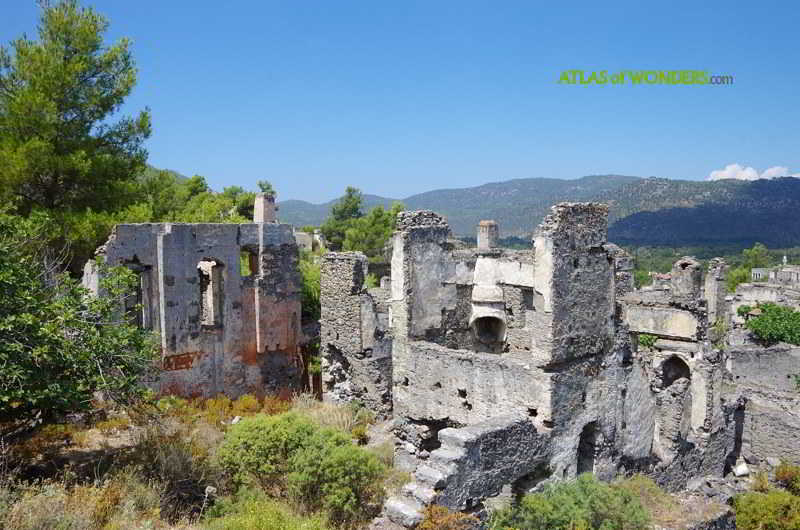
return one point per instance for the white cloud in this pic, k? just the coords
(735, 171)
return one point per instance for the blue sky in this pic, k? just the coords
(403, 97)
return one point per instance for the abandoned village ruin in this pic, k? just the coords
(221, 331)
(499, 369)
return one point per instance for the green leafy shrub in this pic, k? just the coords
(774, 510)
(58, 344)
(252, 510)
(743, 310)
(318, 467)
(261, 447)
(370, 281)
(776, 324)
(344, 479)
(646, 340)
(584, 503)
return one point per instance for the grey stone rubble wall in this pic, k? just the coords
(715, 292)
(355, 343)
(574, 284)
(253, 345)
(769, 420)
(473, 463)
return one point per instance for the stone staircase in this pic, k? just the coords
(472, 463)
(406, 508)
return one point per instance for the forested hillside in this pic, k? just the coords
(652, 211)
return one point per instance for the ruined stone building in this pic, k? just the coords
(504, 369)
(224, 299)
(785, 274)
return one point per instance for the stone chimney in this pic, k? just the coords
(265, 210)
(686, 278)
(488, 233)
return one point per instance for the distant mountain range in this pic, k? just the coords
(643, 211)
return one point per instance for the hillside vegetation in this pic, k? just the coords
(652, 211)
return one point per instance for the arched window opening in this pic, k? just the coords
(673, 369)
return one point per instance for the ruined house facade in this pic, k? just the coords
(224, 300)
(508, 368)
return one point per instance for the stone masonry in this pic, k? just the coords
(355, 345)
(512, 368)
(223, 298)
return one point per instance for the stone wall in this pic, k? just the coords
(769, 419)
(221, 331)
(355, 345)
(517, 367)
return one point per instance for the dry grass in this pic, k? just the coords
(341, 417)
(117, 423)
(440, 518)
(158, 464)
(274, 405)
(384, 452)
(760, 482)
(663, 508)
(120, 502)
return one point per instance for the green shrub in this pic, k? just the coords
(261, 447)
(743, 310)
(584, 503)
(343, 479)
(245, 405)
(370, 281)
(252, 510)
(774, 510)
(776, 324)
(57, 344)
(646, 340)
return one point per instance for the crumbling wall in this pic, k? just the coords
(355, 343)
(573, 281)
(220, 331)
(763, 381)
(460, 317)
